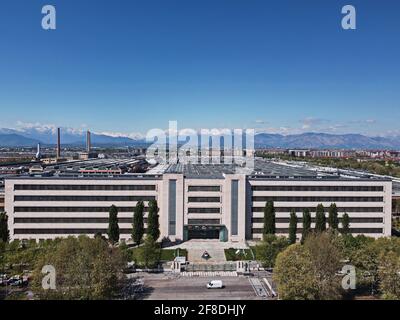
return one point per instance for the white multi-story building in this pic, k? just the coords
(195, 201)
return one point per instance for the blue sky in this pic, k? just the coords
(129, 66)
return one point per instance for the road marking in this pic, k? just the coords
(258, 287)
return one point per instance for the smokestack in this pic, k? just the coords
(88, 142)
(38, 155)
(58, 143)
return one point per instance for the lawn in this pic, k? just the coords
(165, 255)
(243, 254)
(170, 254)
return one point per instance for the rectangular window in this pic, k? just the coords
(204, 188)
(312, 209)
(203, 221)
(68, 231)
(84, 198)
(234, 206)
(319, 188)
(72, 220)
(317, 199)
(204, 210)
(204, 199)
(172, 208)
(85, 187)
(74, 209)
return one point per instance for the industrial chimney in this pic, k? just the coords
(58, 143)
(88, 142)
(38, 154)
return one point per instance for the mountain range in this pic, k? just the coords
(30, 137)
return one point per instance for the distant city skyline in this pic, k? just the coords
(124, 67)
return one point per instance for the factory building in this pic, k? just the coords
(215, 201)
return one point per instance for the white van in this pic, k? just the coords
(215, 284)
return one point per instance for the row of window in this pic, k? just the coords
(193, 188)
(204, 221)
(354, 220)
(204, 188)
(204, 210)
(318, 199)
(84, 198)
(74, 209)
(68, 231)
(204, 199)
(318, 188)
(71, 220)
(83, 187)
(299, 230)
(313, 209)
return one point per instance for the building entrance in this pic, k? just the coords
(204, 232)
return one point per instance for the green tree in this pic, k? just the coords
(153, 225)
(306, 224)
(2, 255)
(389, 275)
(86, 269)
(333, 219)
(326, 256)
(269, 248)
(150, 252)
(350, 244)
(365, 260)
(4, 232)
(292, 274)
(269, 218)
(113, 228)
(293, 227)
(138, 224)
(320, 219)
(345, 224)
(309, 271)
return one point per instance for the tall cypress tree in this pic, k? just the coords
(113, 228)
(138, 224)
(269, 218)
(292, 227)
(345, 224)
(333, 219)
(306, 224)
(320, 219)
(4, 232)
(153, 225)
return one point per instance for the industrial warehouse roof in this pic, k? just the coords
(202, 170)
(263, 169)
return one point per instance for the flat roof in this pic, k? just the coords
(263, 169)
(138, 176)
(216, 171)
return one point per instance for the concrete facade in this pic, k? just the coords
(227, 206)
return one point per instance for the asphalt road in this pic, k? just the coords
(182, 288)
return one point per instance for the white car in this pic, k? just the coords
(215, 284)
